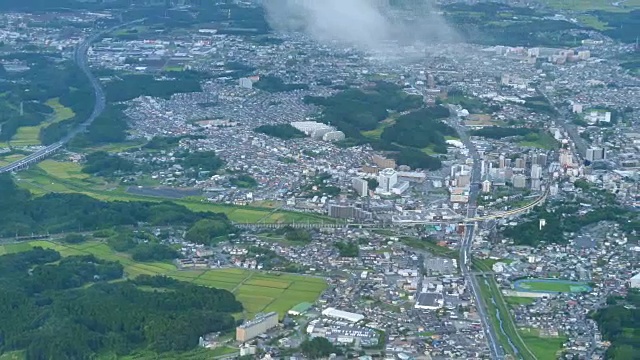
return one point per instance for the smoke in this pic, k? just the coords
(369, 25)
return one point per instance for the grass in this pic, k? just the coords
(66, 177)
(550, 286)
(543, 140)
(543, 347)
(30, 135)
(258, 291)
(377, 132)
(516, 300)
(495, 303)
(593, 22)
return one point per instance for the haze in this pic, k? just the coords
(365, 24)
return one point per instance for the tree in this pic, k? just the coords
(208, 231)
(316, 348)
(74, 239)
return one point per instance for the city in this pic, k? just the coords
(433, 199)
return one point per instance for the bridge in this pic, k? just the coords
(468, 221)
(80, 57)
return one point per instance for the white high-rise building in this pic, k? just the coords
(536, 171)
(387, 179)
(361, 186)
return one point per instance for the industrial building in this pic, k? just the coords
(342, 315)
(318, 130)
(429, 301)
(256, 327)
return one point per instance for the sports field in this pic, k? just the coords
(67, 177)
(550, 286)
(258, 291)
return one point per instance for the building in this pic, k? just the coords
(256, 327)
(300, 309)
(333, 136)
(387, 179)
(595, 153)
(361, 186)
(519, 181)
(634, 282)
(342, 315)
(429, 301)
(348, 212)
(536, 171)
(486, 186)
(316, 130)
(245, 83)
(384, 162)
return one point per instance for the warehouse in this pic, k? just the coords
(343, 315)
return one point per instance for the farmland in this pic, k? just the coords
(258, 291)
(66, 177)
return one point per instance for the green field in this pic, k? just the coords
(516, 300)
(66, 177)
(550, 286)
(5, 160)
(30, 135)
(544, 348)
(258, 291)
(593, 5)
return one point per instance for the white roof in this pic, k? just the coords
(636, 277)
(333, 312)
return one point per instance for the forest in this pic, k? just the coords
(275, 84)
(133, 86)
(354, 111)
(21, 214)
(281, 131)
(620, 324)
(67, 308)
(529, 232)
(101, 163)
(420, 129)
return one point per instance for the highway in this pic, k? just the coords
(497, 352)
(80, 57)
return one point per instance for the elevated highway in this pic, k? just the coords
(80, 57)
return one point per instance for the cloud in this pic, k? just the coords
(366, 24)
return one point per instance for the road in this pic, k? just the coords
(497, 352)
(80, 57)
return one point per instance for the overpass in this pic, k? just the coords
(80, 57)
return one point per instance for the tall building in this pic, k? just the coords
(387, 179)
(595, 153)
(501, 162)
(536, 171)
(256, 327)
(486, 186)
(520, 163)
(361, 186)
